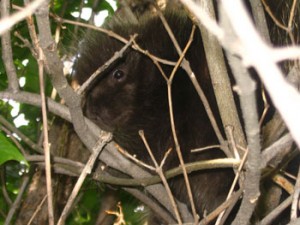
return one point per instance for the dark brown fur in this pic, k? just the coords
(132, 95)
(138, 101)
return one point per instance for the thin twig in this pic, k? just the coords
(275, 212)
(266, 108)
(206, 148)
(26, 43)
(186, 66)
(162, 176)
(87, 170)
(102, 68)
(232, 142)
(236, 178)
(275, 20)
(173, 128)
(5, 194)
(231, 201)
(39, 207)
(13, 139)
(75, 168)
(17, 202)
(115, 36)
(32, 32)
(134, 159)
(157, 209)
(46, 143)
(24, 138)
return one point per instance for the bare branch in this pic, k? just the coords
(287, 101)
(260, 19)
(24, 138)
(18, 200)
(220, 79)
(276, 148)
(111, 156)
(87, 170)
(7, 56)
(55, 70)
(37, 210)
(246, 88)
(7, 22)
(272, 215)
(46, 144)
(162, 177)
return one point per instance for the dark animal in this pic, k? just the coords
(132, 95)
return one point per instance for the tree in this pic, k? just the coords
(29, 52)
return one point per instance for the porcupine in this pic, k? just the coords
(131, 95)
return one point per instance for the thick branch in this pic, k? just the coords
(246, 88)
(220, 79)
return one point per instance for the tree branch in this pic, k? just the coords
(13, 83)
(7, 22)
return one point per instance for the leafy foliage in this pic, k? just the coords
(8, 151)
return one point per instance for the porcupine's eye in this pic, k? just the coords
(119, 75)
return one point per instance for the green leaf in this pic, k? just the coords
(8, 151)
